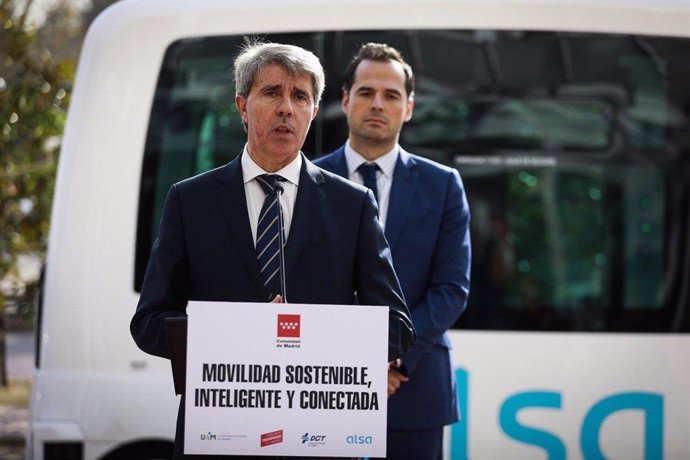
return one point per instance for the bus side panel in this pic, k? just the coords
(571, 395)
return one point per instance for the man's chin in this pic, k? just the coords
(284, 154)
(377, 136)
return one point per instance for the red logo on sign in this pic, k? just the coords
(288, 325)
(274, 437)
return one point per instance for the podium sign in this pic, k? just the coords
(286, 379)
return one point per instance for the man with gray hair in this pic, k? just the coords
(212, 242)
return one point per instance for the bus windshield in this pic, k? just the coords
(570, 146)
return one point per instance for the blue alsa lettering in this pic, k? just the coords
(650, 405)
(359, 439)
(540, 438)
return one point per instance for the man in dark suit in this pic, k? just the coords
(211, 236)
(424, 209)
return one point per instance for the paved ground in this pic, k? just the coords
(13, 420)
(20, 351)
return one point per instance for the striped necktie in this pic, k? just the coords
(268, 235)
(368, 173)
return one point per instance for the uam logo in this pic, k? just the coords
(288, 325)
(209, 436)
(274, 437)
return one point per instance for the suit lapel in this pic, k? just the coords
(402, 192)
(305, 212)
(233, 202)
(338, 164)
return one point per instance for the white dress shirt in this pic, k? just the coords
(255, 194)
(384, 176)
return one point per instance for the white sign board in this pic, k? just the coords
(286, 379)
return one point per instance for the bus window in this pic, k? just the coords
(570, 146)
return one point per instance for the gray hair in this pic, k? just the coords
(293, 59)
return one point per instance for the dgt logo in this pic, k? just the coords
(313, 438)
(288, 325)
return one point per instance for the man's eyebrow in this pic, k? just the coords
(393, 90)
(270, 87)
(301, 91)
(385, 90)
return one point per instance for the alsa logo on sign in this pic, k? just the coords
(359, 439)
(274, 437)
(288, 325)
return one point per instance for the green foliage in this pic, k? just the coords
(34, 93)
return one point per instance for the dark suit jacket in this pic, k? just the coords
(205, 251)
(427, 227)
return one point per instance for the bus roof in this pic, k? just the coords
(214, 17)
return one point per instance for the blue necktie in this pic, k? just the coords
(368, 173)
(268, 236)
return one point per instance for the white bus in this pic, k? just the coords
(569, 123)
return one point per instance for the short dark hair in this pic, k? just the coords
(379, 52)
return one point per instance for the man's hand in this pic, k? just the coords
(395, 377)
(277, 299)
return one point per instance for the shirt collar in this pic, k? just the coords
(385, 162)
(290, 172)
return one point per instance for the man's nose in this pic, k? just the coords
(377, 102)
(285, 107)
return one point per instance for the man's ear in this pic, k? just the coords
(344, 100)
(241, 104)
(410, 108)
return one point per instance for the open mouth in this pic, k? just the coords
(283, 129)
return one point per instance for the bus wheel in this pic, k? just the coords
(142, 450)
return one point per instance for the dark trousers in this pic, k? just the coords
(415, 444)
